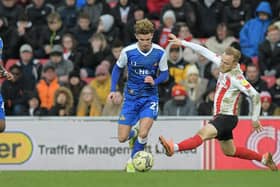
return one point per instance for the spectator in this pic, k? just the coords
(164, 91)
(11, 10)
(221, 40)
(34, 108)
(9, 38)
(47, 86)
(179, 104)
(210, 14)
(139, 13)
(168, 22)
(63, 103)
(194, 85)
(184, 12)
(25, 34)
(253, 77)
(15, 92)
(236, 15)
(70, 50)
(89, 105)
(253, 32)
(69, 14)
(269, 52)
(184, 33)
(268, 108)
(38, 11)
(275, 91)
(62, 67)
(204, 67)
(51, 35)
(31, 68)
(98, 51)
(214, 76)
(82, 32)
(123, 13)
(95, 8)
(205, 108)
(106, 26)
(116, 49)
(176, 63)
(102, 83)
(75, 84)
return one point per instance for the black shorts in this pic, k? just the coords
(224, 125)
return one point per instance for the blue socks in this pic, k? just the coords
(139, 145)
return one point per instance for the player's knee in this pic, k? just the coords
(228, 153)
(2, 126)
(143, 135)
(122, 139)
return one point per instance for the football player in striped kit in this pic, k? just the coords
(230, 84)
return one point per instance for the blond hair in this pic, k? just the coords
(144, 26)
(95, 105)
(233, 52)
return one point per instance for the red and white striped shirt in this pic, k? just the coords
(229, 86)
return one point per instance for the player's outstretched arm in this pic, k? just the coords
(197, 48)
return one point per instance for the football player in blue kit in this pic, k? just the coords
(147, 67)
(9, 76)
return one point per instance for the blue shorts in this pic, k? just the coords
(136, 109)
(2, 110)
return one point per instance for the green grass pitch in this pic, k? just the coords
(148, 179)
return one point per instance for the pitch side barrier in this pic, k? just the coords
(90, 143)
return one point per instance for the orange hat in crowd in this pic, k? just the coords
(178, 90)
(265, 96)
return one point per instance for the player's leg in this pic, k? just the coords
(128, 118)
(206, 133)
(229, 149)
(141, 141)
(123, 132)
(147, 114)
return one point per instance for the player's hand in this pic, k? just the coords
(115, 97)
(149, 80)
(9, 76)
(257, 126)
(174, 39)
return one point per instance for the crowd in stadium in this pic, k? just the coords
(61, 53)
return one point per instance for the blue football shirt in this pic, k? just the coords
(140, 65)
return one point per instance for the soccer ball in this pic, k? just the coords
(143, 161)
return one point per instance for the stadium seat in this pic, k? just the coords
(112, 4)
(270, 80)
(10, 62)
(43, 60)
(255, 61)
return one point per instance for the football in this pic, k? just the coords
(143, 161)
